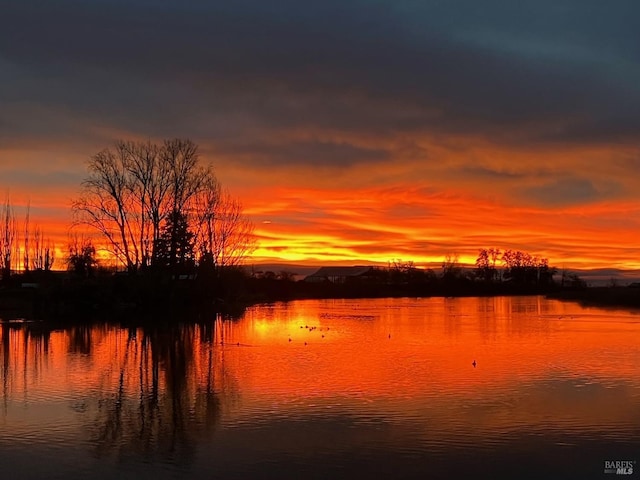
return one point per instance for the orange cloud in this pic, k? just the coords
(382, 224)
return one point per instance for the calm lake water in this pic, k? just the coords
(379, 388)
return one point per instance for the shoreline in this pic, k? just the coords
(144, 300)
(612, 297)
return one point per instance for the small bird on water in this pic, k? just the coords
(474, 364)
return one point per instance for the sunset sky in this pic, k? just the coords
(352, 131)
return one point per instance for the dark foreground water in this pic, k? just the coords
(330, 389)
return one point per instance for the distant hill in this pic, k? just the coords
(599, 277)
(594, 277)
(299, 271)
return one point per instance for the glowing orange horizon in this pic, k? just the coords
(364, 214)
(333, 227)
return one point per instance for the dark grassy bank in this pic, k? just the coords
(59, 298)
(628, 297)
(153, 297)
(265, 290)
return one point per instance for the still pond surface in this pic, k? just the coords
(380, 388)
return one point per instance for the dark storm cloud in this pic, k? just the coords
(567, 191)
(514, 72)
(307, 152)
(40, 180)
(483, 173)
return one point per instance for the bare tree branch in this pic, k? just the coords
(132, 190)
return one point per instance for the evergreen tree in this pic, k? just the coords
(174, 248)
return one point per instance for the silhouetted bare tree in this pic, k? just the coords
(485, 265)
(225, 235)
(451, 267)
(107, 204)
(134, 187)
(27, 248)
(7, 238)
(82, 256)
(151, 180)
(524, 268)
(43, 254)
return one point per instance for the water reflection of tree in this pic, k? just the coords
(80, 339)
(164, 397)
(5, 364)
(23, 348)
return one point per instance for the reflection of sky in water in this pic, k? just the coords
(364, 383)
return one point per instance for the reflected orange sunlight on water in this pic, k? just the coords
(398, 371)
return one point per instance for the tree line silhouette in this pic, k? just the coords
(518, 267)
(495, 272)
(26, 250)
